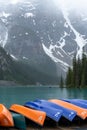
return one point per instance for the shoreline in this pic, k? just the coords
(13, 83)
(58, 128)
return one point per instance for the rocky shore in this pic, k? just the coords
(29, 128)
(59, 128)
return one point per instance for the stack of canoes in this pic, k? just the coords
(37, 111)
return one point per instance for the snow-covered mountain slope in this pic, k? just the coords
(38, 30)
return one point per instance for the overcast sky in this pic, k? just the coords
(77, 4)
(10, 1)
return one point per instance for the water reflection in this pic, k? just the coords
(76, 93)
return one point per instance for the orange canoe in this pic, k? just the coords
(81, 112)
(6, 119)
(34, 115)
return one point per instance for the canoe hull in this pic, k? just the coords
(6, 119)
(76, 102)
(51, 112)
(81, 112)
(19, 121)
(34, 115)
(67, 113)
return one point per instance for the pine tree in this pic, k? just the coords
(74, 72)
(69, 78)
(82, 81)
(77, 76)
(83, 70)
(78, 72)
(1, 71)
(61, 82)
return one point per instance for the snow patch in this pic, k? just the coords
(81, 42)
(27, 15)
(3, 39)
(4, 20)
(58, 53)
(26, 33)
(49, 52)
(13, 57)
(34, 22)
(3, 14)
(62, 42)
(65, 25)
(50, 39)
(25, 58)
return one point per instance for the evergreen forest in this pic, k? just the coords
(77, 74)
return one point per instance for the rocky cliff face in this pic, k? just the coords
(20, 72)
(43, 35)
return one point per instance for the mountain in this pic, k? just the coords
(22, 73)
(43, 35)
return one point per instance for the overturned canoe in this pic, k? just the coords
(53, 113)
(19, 121)
(6, 119)
(67, 113)
(81, 112)
(76, 102)
(81, 100)
(34, 115)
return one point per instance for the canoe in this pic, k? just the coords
(6, 119)
(81, 112)
(67, 113)
(76, 102)
(34, 115)
(19, 121)
(81, 100)
(53, 113)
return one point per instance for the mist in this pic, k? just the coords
(79, 5)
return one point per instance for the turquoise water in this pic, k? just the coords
(20, 94)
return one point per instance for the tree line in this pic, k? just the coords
(77, 74)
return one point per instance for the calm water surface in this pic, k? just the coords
(21, 94)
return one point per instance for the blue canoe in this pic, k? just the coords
(81, 100)
(67, 113)
(53, 113)
(76, 102)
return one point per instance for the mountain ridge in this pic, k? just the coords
(19, 72)
(42, 34)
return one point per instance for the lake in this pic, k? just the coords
(20, 94)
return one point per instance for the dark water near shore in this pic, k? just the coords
(20, 94)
